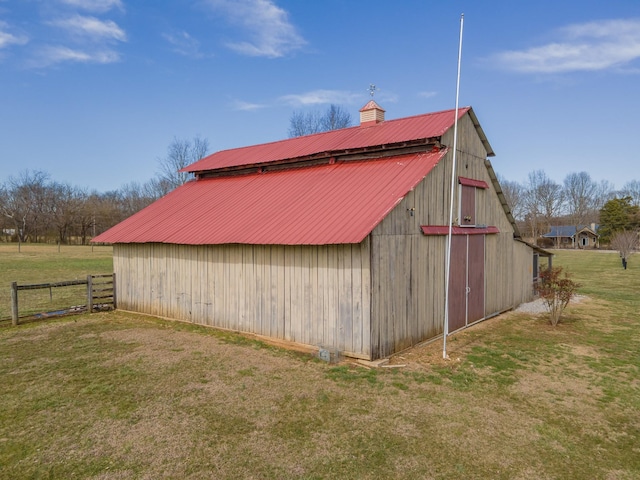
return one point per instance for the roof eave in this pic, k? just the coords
(481, 134)
(502, 198)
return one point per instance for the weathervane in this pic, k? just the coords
(372, 90)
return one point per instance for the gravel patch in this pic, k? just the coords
(538, 305)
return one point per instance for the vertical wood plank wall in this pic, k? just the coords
(407, 269)
(312, 295)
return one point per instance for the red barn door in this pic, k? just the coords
(466, 281)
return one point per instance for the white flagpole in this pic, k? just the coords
(453, 185)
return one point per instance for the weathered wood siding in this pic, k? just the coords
(408, 268)
(312, 295)
(408, 291)
(508, 263)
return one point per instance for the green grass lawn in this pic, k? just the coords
(116, 395)
(38, 263)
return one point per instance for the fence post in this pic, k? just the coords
(89, 293)
(14, 303)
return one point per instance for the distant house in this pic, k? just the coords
(582, 236)
(335, 240)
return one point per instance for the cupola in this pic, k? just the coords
(371, 114)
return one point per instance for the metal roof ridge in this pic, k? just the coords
(297, 147)
(369, 153)
(328, 132)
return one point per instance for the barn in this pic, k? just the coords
(335, 240)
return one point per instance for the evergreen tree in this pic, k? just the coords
(618, 215)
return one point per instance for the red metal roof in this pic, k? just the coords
(325, 204)
(370, 106)
(429, 125)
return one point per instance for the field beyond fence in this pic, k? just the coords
(37, 300)
(50, 264)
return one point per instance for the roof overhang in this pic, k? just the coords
(502, 198)
(540, 251)
(481, 134)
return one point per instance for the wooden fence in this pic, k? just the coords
(100, 295)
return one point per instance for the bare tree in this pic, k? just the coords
(180, 154)
(581, 195)
(302, 123)
(514, 192)
(335, 117)
(604, 193)
(543, 201)
(632, 189)
(625, 242)
(106, 210)
(306, 123)
(131, 198)
(62, 209)
(86, 217)
(23, 203)
(6, 219)
(157, 187)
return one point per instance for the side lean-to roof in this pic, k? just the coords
(327, 202)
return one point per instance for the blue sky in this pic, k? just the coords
(94, 91)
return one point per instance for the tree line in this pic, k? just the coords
(579, 200)
(35, 208)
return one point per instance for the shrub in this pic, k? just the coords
(545, 242)
(556, 290)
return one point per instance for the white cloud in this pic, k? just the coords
(53, 55)
(246, 106)
(99, 6)
(91, 27)
(7, 38)
(270, 32)
(184, 44)
(320, 97)
(427, 94)
(589, 46)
